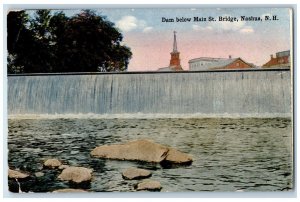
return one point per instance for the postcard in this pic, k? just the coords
(150, 99)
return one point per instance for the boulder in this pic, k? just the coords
(148, 185)
(52, 163)
(16, 174)
(135, 174)
(68, 190)
(20, 182)
(76, 174)
(141, 150)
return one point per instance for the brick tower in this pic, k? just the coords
(175, 60)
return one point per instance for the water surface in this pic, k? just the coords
(229, 154)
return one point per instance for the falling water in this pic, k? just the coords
(219, 92)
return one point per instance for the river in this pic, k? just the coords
(247, 154)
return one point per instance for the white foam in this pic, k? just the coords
(145, 116)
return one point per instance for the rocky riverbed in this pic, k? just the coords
(228, 154)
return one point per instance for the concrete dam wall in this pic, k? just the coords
(243, 92)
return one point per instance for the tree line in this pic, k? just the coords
(49, 42)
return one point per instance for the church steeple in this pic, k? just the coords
(175, 60)
(174, 43)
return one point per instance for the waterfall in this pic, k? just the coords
(215, 92)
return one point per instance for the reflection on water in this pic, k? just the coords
(229, 154)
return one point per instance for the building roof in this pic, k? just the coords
(206, 59)
(281, 59)
(283, 53)
(218, 62)
(272, 62)
(222, 63)
(166, 69)
(170, 68)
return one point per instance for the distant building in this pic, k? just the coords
(281, 60)
(175, 59)
(207, 63)
(166, 69)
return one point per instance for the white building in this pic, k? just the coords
(207, 63)
(167, 69)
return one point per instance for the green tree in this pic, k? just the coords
(119, 59)
(86, 42)
(91, 43)
(57, 27)
(29, 50)
(16, 21)
(16, 30)
(42, 47)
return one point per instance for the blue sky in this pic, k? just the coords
(152, 17)
(150, 39)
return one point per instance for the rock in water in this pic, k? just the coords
(16, 174)
(76, 174)
(175, 156)
(148, 185)
(142, 150)
(135, 174)
(39, 174)
(52, 163)
(68, 190)
(19, 182)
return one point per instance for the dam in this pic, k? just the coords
(257, 92)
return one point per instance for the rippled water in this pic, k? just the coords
(229, 154)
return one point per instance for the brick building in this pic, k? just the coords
(175, 59)
(281, 60)
(207, 63)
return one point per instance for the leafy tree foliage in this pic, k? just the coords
(16, 28)
(49, 42)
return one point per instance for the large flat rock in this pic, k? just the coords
(141, 150)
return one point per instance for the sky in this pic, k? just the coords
(151, 39)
